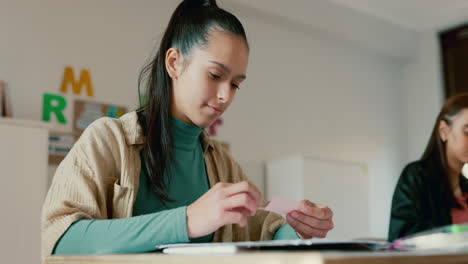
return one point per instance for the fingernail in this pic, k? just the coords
(295, 215)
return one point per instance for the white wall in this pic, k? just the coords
(424, 94)
(113, 39)
(348, 180)
(308, 91)
(312, 94)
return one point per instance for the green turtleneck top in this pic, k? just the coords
(152, 223)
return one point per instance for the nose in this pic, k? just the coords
(225, 93)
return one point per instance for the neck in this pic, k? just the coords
(454, 170)
(185, 136)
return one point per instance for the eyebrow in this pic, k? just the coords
(226, 69)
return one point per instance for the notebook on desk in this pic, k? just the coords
(289, 245)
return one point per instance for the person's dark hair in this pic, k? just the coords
(189, 27)
(436, 149)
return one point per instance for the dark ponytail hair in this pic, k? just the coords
(189, 27)
(436, 151)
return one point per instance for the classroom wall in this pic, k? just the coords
(321, 95)
(309, 91)
(112, 39)
(424, 94)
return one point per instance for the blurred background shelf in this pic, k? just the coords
(60, 143)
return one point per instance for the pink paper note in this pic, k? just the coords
(282, 205)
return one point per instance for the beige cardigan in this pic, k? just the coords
(99, 177)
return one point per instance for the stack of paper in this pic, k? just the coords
(298, 244)
(453, 237)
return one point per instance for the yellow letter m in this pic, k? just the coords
(69, 78)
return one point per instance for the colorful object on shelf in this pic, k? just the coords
(60, 144)
(213, 127)
(86, 112)
(54, 104)
(84, 81)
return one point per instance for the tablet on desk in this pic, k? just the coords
(289, 245)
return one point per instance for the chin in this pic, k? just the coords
(205, 122)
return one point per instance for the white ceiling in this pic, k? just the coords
(416, 15)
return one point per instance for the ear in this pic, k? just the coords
(443, 130)
(174, 62)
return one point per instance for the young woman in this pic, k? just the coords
(432, 192)
(154, 176)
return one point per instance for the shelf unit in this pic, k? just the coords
(23, 163)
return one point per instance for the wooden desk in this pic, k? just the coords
(270, 258)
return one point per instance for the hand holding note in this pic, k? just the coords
(225, 203)
(307, 218)
(311, 220)
(232, 203)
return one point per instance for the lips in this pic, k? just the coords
(216, 109)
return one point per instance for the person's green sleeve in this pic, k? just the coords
(285, 232)
(127, 235)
